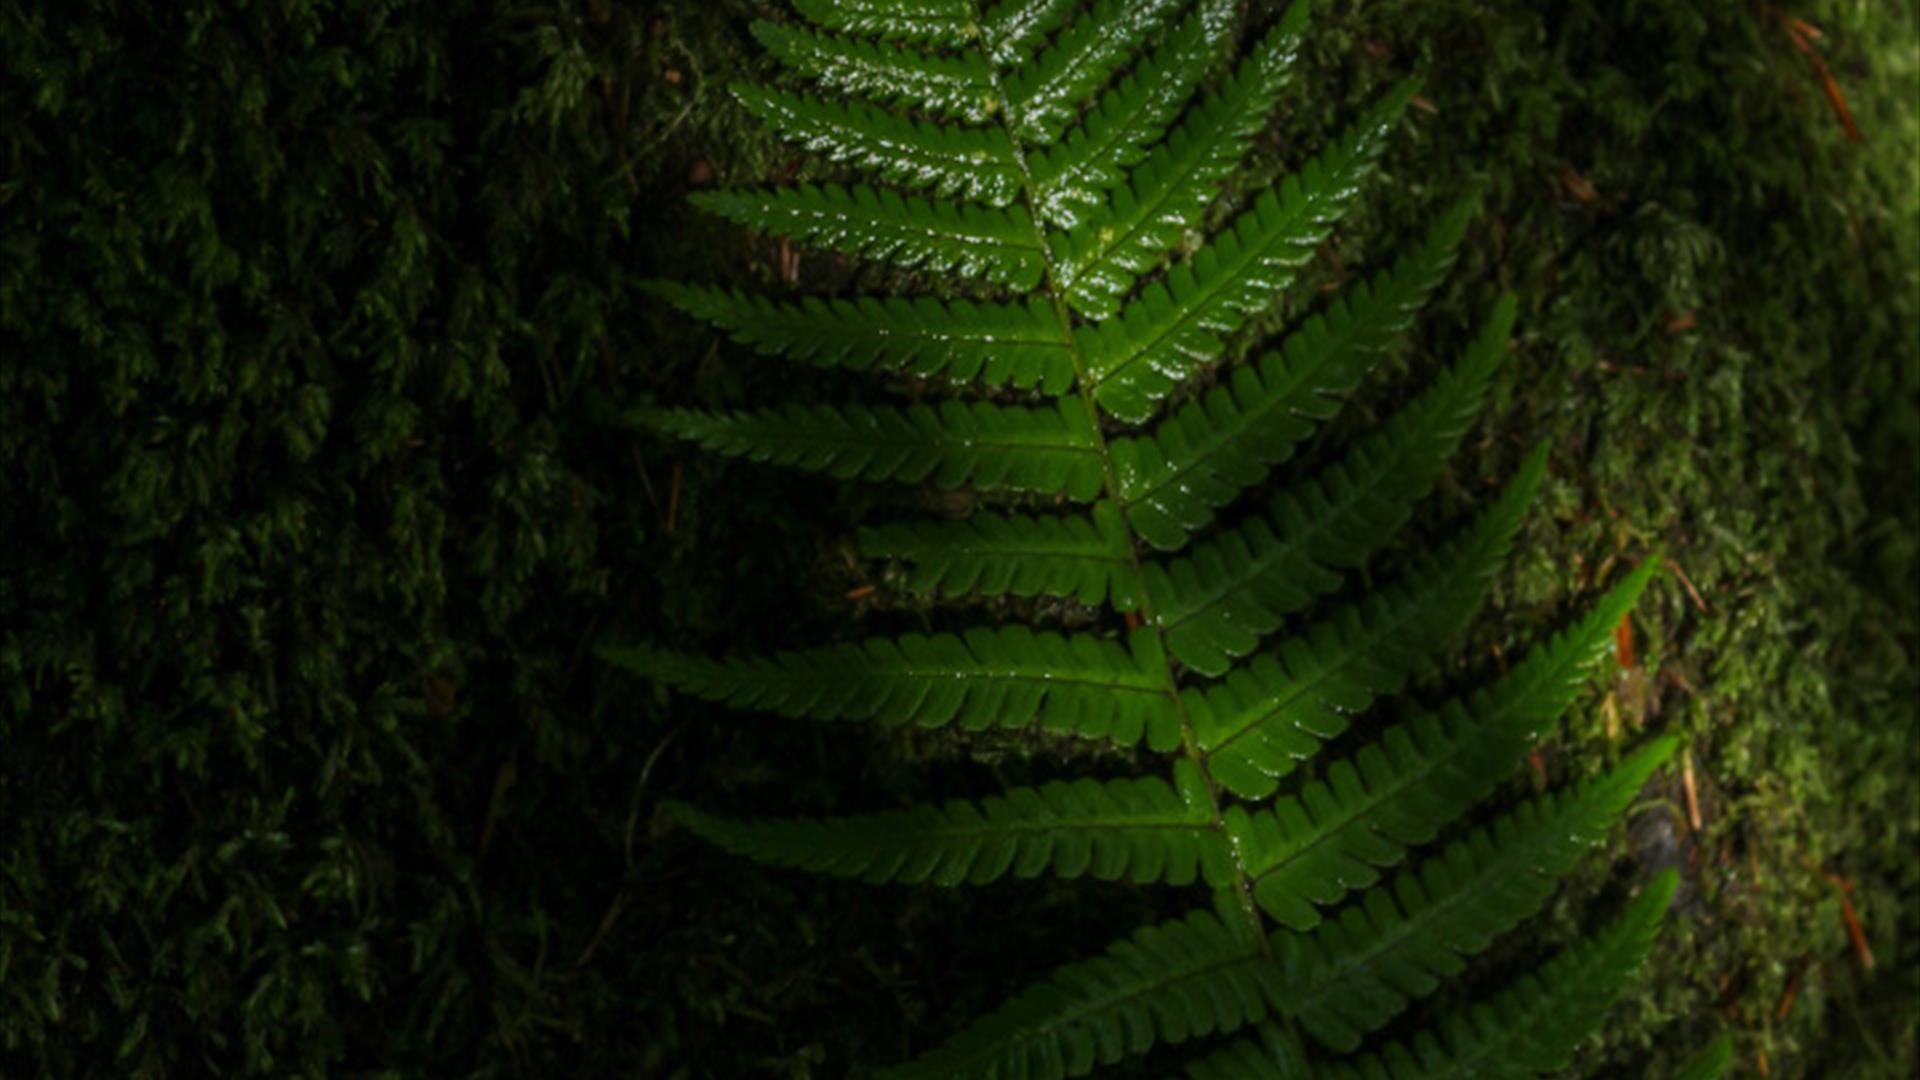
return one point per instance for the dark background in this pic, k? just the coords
(316, 321)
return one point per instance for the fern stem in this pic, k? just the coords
(1083, 384)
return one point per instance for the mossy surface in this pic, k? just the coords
(315, 326)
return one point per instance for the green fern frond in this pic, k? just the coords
(1097, 263)
(1014, 30)
(1267, 716)
(958, 86)
(1165, 984)
(1397, 791)
(1005, 677)
(1046, 95)
(1533, 1026)
(1174, 327)
(1086, 557)
(1073, 176)
(1011, 344)
(951, 160)
(1268, 1053)
(1202, 457)
(1144, 831)
(1711, 1063)
(946, 23)
(1353, 975)
(1240, 584)
(993, 244)
(992, 447)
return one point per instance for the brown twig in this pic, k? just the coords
(1687, 583)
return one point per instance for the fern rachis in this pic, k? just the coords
(1055, 152)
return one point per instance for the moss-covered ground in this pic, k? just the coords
(316, 320)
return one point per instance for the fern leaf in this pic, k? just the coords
(1018, 344)
(1043, 97)
(1203, 455)
(1166, 984)
(992, 447)
(1268, 716)
(1239, 585)
(943, 23)
(1015, 29)
(1533, 1026)
(1074, 175)
(1711, 1063)
(972, 162)
(959, 86)
(1267, 1053)
(1097, 263)
(989, 243)
(1088, 558)
(1006, 677)
(1175, 325)
(1399, 790)
(1352, 976)
(1142, 830)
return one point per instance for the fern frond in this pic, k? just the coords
(1267, 716)
(973, 162)
(1239, 585)
(1088, 558)
(1533, 1026)
(1015, 29)
(958, 86)
(1097, 262)
(1175, 325)
(1165, 984)
(1267, 1053)
(1711, 1063)
(1203, 455)
(1043, 97)
(1142, 830)
(944, 23)
(992, 447)
(1073, 176)
(989, 243)
(1005, 677)
(1399, 790)
(1353, 975)
(1012, 344)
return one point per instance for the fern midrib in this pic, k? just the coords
(1084, 387)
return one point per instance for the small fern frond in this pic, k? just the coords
(1088, 558)
(1399, 790)
(1711, 1063)
(1202, 457)
(1045, 96)
(1533, 1026)
(949, 159)
(1176, 325)
(1255, 725)
(1073, 176)
(1353, 975)
(1097, 262)
(1165, 984)
(989, 243)
(942, 23)
(958, 86)
(1239, 585)
(992, 447)
(1008, 344)
(1144, 831)
(1003, 677)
